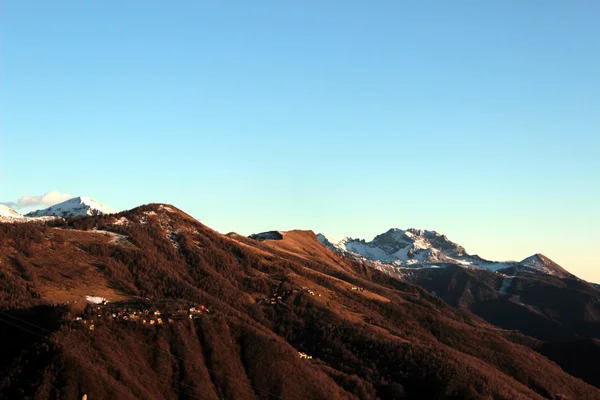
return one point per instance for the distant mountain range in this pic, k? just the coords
(394, 252)
(397, 249)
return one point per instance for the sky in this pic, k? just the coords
(478, 119)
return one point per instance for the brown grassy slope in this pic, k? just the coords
(391, 340)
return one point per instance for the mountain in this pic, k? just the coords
(538, 263)
(402, 248)
(396, 250)
(558, 309)
(75, 207)
(535, 296)
(8, 212)
(192, 313)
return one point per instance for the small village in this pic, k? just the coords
(146, 312)
(99, 311)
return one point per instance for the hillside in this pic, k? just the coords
(544, 306)
(191, 313)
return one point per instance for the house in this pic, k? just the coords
(194, 312)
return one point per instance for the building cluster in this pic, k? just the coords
(304, 355)
(196, 312)
(279, 297)
(143, 315)
(360, 289)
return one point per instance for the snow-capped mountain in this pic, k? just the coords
(404, 248)
(8, 212)
(76, 207)
(416, 248)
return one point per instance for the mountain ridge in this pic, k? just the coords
(397, 249)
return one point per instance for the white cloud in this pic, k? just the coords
(48, 199)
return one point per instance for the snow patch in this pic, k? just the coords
(13, 220)
(96, 299)
(115, 238)
(8, 212)
(122, 221)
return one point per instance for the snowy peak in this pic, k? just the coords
(76, 207)
(8, 212)
(398, 247)
(419, 239)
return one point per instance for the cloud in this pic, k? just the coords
(48, 199)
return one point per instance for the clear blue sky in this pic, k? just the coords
(479, 119)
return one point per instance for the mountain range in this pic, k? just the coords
(397, 250)
(150, 303)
